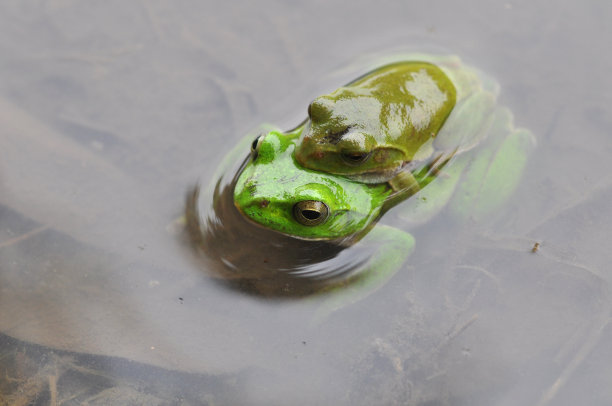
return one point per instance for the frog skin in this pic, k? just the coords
(256, 225)
(274, 191)
(277, 193)
(397, 119)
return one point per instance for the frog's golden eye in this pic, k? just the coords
(354, 158)
(255, 146)
(310, 212)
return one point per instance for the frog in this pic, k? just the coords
(397, 119)
(274, 191)
(468, 169)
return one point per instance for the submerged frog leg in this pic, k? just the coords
(475, 183)
(428, 202)
(495, 171)
(403, 185)
(407, 183)
(394, 247)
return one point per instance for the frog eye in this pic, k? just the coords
(310, 212)
(255, 146)
(354, 158)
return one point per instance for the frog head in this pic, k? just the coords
(275, 192)
(369, 129)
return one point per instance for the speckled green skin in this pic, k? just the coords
(272, 183)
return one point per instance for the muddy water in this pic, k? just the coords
(111, 113)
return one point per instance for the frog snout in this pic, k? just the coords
(310, 212)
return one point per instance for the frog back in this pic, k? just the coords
(377, 122)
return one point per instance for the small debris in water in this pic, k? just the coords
(536, 247)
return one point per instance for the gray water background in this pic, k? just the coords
(110, 111)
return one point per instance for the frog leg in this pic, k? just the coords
(407, 183)
(403, 185)
(392, 248)
(495, 171)
(435, 191)
(476, 182)
(468, 124)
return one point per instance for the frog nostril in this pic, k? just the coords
(310, 212)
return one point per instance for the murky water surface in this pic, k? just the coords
(112, 112)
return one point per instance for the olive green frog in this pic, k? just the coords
(397, 118)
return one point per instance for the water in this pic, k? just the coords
(111, 113)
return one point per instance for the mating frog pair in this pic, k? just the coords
(429, 126)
